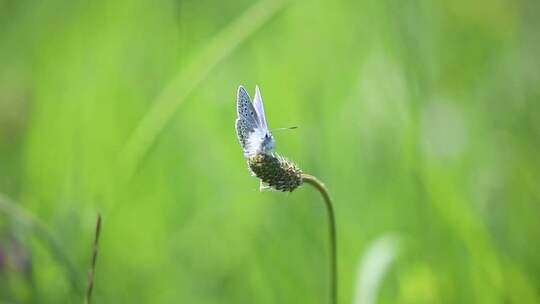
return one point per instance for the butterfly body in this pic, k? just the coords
(251, 127)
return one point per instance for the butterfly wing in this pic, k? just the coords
(259, 108)
(266, 138)
(247, 121)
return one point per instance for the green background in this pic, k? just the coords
(421, 117)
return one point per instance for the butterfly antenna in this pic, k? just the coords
(283, 129)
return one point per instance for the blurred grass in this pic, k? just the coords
(421, 117)
(20, 262)
(168, 100)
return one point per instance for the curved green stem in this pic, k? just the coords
(312, 180)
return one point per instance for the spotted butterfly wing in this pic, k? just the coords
(247, 121)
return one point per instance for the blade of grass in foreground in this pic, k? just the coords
(92, 271)
(167, 102)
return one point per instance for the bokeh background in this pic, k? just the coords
(421, 117)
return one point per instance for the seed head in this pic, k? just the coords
(275, 171)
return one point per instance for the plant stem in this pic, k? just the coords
(90, 286)
(312, 180)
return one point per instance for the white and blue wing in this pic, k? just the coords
(259, 108)
(247, 121)
(251, 127)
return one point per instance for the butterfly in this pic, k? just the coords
(251, 127)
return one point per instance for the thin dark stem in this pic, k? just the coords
(312, 180)
(90, 286)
